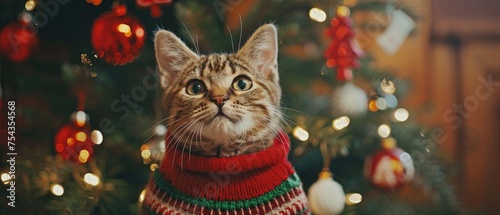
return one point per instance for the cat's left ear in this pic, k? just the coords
(172, 55)
(261, 51)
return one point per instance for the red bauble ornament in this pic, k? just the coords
(390, 167)
(342, 52)
(18, 40)
(74, 141)
(117, 37)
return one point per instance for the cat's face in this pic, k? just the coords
(221, 104)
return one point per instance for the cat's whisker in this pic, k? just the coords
(191, 36)
(201, 138)
(154, 125)
(241, 32)
(201, 142)
(194, 135)
(190, 136)
(287, 120)
(291, 109)
(189, 140)
(231, 36)
(275, 130)
(183, 129)
(184, 144)
(173, 135)
(197, 44)
(152, 135)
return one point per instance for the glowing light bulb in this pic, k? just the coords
(317, 14)
(145, 154)
(30, 5)
(25, 17)
(83, 157)
(125, 29)
(139, 32)
(381, 103)
(391, 100)
(340, 123)
(81, 118)
(372, 105)
(387, 86)
(80, 136)
(5, 178)
(57, 189)
(70, 141)
(160, 130)
(389, 143)
(142, 196)
(300, 133)
(84, 154)
(162, 145)
(384, 130)
(96, 137)
(353, 198)
(91, 179)
(343, 11)
(401, 114)
(153, 167)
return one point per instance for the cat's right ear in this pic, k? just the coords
(171, 55)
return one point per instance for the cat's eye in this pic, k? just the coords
(195, 87)
(242, 83)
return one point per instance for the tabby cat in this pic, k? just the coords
(225, 150)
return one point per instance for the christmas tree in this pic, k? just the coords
(88, 109)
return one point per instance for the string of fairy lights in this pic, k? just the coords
(387, 101)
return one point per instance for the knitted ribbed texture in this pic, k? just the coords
(259, 183)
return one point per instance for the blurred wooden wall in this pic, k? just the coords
(453, 62)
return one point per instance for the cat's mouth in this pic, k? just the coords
(221, 115)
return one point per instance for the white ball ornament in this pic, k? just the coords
(326, 196)
(349, 100)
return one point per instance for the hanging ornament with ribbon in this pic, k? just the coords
(343, 52)
(389, 168)
(326, 196)
(75, 141)
(118, 37)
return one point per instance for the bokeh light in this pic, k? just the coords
(317, 14)
(340, 123)
(384, 130)
(300, 133)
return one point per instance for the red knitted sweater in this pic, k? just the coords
(258, 183)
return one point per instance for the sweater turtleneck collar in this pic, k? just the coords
(228, 178)
(246, 162)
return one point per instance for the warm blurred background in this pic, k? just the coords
(414, 129)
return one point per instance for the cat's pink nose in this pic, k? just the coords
(219, 100)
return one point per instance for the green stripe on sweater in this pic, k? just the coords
(286, 186)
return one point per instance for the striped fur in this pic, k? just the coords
(250, 119)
